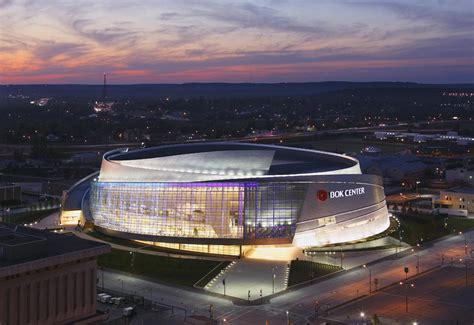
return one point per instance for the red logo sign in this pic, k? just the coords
(322, 195)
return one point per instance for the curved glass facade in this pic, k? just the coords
(239, 210)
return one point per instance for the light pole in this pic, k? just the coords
(400, 237)
(342, 257)
(316, 309)
(132, 258)
(287, 317)
(465, 267)
(223, 284)
(465, 242)
(417, 183)
(103, 286)
(370, 277)
(273, 279)
(417, 261)
(406, 293)
(362, 317)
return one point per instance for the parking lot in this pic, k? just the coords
(144, 311)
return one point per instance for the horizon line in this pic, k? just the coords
(235, 83)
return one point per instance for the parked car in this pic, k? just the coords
(106, 299)
(100, 295)
(128, 311)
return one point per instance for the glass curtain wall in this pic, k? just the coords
(202, 210)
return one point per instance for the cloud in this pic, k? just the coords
(85, 27)
(5, 3)
(168, 15)
(277, 40)
(443, 17)
(249, 15)
(49, 50)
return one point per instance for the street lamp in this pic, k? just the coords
(370, 277)
(342, 257)
(132, 259)
(417, 261)
(465, 243)
(406, 293)
(103, 286)
(400, 238)
(287, 317)
(465, 264)
(273, 279)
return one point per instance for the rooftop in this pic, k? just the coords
(219, 161)
(460, 189)
(20, 245)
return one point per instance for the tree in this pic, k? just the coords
(375, 319)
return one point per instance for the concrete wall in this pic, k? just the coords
(57, 295)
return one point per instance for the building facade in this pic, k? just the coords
(460, 175)
(219, 197)
(457, 201)
(10, 193)
(47, 278)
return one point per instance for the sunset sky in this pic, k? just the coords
(47, 41)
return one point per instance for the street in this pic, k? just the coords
(301, 303)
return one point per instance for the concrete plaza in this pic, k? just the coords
(252, 275)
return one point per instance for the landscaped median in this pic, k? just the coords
(304, 271)
(422, 228)
(29, 216)
(181, 271)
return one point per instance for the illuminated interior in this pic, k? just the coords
(232, 250)
(200, 210)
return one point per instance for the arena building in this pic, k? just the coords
(222, 198)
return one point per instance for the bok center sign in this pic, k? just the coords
(323, 195)
(347, 193)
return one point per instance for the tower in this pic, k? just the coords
(104, 90)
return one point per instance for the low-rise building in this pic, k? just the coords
(47, 278)
(464, 175)
(10, 192)
(394, 168)
(458, 201)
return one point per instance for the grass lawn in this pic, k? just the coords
(30, 216)
(173, 270)
(429, 227)
(301, 271)
(212, 274)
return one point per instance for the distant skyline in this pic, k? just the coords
(236, 41)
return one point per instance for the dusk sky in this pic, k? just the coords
(45, 41)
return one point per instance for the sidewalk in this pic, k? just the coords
(252, 275)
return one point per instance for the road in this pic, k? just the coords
(301, 303)
(448, 300)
